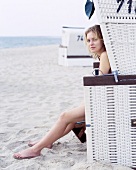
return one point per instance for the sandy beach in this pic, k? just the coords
(34, 91)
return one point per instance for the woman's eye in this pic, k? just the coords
(88, 41)
(95, 39)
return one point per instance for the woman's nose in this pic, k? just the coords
(91, 42)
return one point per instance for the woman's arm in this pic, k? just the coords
(104, 64)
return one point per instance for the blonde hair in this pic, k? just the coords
(96, 30)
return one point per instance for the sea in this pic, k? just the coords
(27, 41)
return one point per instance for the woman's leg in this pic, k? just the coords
(67, 130)
(57, 131)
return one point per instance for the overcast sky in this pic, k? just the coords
(40, 17)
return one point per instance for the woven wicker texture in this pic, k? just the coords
(111, 137)
(108, 11)
(119, 32)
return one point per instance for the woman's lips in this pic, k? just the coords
(92, 48)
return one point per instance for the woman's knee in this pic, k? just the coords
(64, 116)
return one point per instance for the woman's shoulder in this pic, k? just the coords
(104, 53)
(104, 63)
(104, 56)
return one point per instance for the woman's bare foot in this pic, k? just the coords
(30, 144)
(26, 154)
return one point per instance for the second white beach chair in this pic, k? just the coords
(72, 51)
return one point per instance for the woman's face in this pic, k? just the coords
(94, 43)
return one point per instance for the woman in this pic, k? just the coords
(67, 120)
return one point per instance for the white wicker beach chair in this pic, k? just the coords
(110, 106)
(111, 119)
(117, 19)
